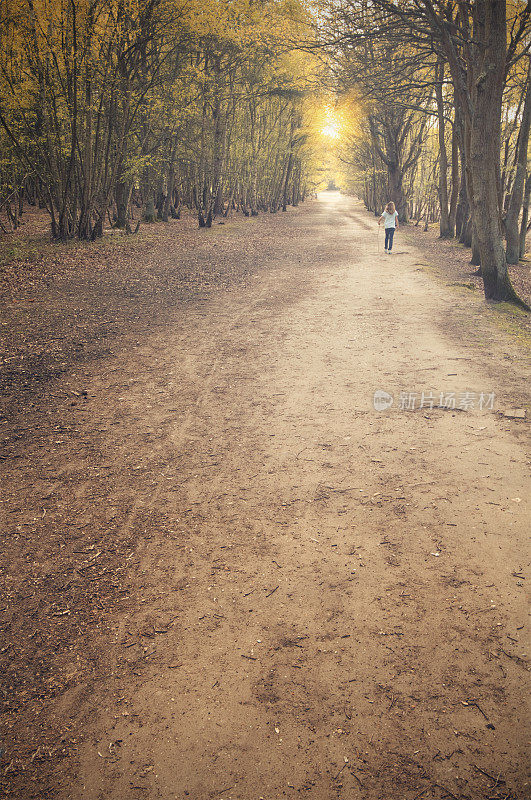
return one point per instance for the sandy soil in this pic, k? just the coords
(297, 595)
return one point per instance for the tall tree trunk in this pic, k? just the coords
(517, 192)
(201, 178)
(289, 167)
(463, 209)
(373, 206)
(391, 158)
(525, 215)
(170, 181)
(122, 195)
(85, 213)
(452, 214)
(148, 198)
(478, 75)
(396, 190)
(296, 193)
(462, 219)
(68, 207)
(484, 153)
(475, 257)
(220, 133)
(443, 158)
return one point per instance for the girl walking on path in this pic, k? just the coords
(390, 218)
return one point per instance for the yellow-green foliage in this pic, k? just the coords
(213, 95)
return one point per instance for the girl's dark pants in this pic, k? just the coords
(389, 233)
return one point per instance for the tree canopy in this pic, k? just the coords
(237, 104)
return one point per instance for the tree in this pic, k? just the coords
(517, 192)
(163, 100)
(478, 45)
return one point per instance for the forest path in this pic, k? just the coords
(338, 582)
(328, 598)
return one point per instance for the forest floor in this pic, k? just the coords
(227, 575)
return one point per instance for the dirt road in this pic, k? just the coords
(326, 600)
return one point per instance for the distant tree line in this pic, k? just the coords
(158, 103)
(446, 89)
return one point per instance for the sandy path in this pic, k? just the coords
(324, 590)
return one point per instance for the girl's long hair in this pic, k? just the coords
(390, 207)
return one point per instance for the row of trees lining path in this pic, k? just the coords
(448, 112)
(164, 103)
(159, 102)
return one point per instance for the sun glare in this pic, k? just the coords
(331, 130)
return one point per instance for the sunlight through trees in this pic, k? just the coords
(246, 105)
(445, 89)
